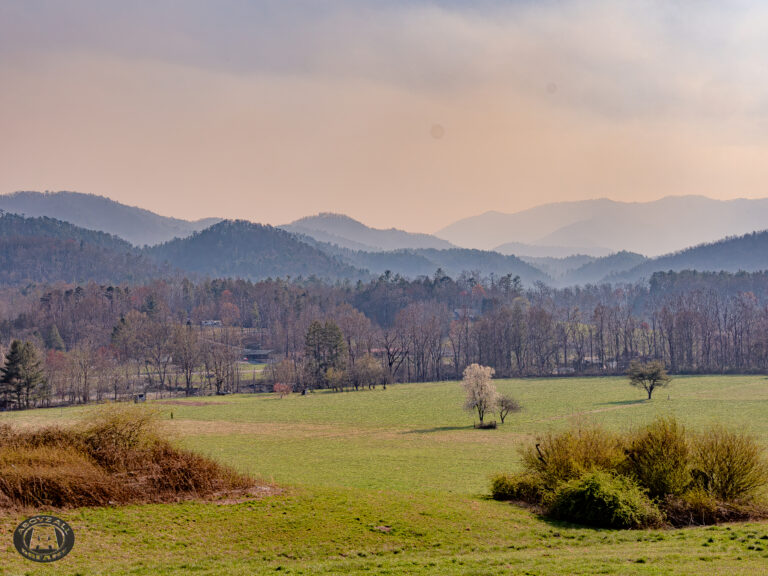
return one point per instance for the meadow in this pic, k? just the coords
(396, 482)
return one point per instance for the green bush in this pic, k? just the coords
(591, 476)
(560, 457)
(658, 457)
(728, 465)
(602, 499)
(523, 487)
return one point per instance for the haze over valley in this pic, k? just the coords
(415, 288)
(590, 241)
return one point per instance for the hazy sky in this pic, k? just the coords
(400, 113)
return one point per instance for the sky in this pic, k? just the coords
(405, 113)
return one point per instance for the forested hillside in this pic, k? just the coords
(748, 253)
(597, 270)
(427, 261)
(44, 250)
(236, 248)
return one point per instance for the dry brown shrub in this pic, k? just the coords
(54, 476)
(699, 508)
(117, 436)
(117, 456)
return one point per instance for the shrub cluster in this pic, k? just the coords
(119, 457)
(654, 475)
(603, 499)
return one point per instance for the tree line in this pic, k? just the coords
(178, 336)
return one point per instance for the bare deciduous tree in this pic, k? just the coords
(186, 353)
(506, 405)
(283, 389)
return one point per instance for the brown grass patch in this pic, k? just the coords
(118, 457)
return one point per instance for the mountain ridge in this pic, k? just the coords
(138, 226)
(651, 228)
(242, 249)
(346, 232)
(745, 253)
(46, 250)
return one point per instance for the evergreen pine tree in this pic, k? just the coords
(54, 341)
(21, 378)
(325, 348)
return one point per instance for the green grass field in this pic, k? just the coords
(396, 482)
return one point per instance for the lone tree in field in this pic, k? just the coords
(506, 404)
(481, 393)
(282, 389)
(648, 376)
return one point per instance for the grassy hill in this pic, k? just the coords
(396, 481)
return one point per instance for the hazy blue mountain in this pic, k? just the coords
(45, 250)
(14, 225)
(136, 225)
(650, 228)
(493, 229)
(557, 268)
(532, 251)
(48, 250)
(748, 253)
(457, 260)
(425, 262)
(595, 271)
(236, 248)
(349, 233)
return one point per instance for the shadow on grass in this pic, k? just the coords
(565, 525)
(438, 429)
(539, 513)
(623, 402)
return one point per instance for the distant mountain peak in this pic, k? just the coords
(652, 228)
(243, 249)
(346, 232)
(136, 225)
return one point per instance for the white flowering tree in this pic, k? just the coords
(481, 394)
